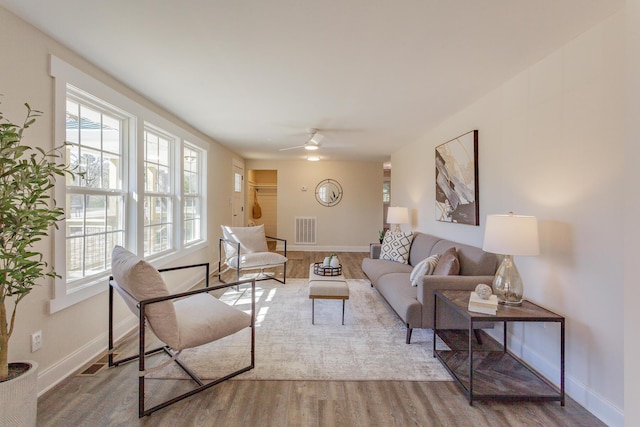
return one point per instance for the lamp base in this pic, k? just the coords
(511, 303)
(507, 283)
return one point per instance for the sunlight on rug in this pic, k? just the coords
(370, 345)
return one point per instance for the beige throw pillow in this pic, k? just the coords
(423, 268)
(142, 281)
(448, 264)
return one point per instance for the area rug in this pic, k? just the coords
(369, 346)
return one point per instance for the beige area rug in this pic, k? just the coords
(370, 345)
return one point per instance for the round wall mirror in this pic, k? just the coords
(328, 192)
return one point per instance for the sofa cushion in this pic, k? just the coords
(396, 246)
(448, 264)
(375, 268)
(423, 268)
(422, 246)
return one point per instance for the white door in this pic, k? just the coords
(237, 202)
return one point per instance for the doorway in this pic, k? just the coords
(237, 204)
(262, 187)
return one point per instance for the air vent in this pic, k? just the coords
(306, 230)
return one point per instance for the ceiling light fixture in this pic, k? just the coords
(313, 158)
(310, 147)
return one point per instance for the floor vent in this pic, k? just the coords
(306, 230)
(93, 369)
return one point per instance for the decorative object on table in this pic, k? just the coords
(381, 234)
(322, 270)
(457, 180)
(396, 246)
(397, 215)
(510, 235)
(27, 177)
(483, 290)
(334, 261)
(481, 305)
(256, 212)
(328, 192)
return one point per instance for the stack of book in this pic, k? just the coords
(484, 306)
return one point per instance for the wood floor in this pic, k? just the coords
(110, 397)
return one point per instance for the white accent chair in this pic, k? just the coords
(181, 321)
(245, 248)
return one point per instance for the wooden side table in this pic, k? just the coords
(483, 374)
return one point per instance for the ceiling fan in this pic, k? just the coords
(313, 142)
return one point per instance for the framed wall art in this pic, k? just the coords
(457, 180)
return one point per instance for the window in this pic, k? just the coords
(386, 192)
(95, 201)
(158, 196)
(134, 190)
(192, 192)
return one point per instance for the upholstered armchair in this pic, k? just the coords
(181, 321)
(245, 248)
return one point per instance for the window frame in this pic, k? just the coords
(200, 196)
(139, 117)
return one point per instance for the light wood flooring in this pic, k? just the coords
(110, 397)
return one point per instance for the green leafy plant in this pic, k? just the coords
(27, 212)
(381, 234)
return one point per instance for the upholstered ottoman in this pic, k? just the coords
(327, 287)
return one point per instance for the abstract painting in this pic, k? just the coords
(457, 180)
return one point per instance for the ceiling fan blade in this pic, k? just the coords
(292, 148)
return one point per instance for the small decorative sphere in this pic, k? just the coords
(483, 291)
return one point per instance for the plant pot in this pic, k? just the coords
(335, 262)
(19, 398)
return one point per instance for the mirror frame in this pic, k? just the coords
(324, 186)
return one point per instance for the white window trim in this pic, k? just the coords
(202, 193)
(65, 74)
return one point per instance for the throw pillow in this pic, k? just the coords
(448, 264)
(251, 239)
(423, 268)
(396, 246)
(142, 281)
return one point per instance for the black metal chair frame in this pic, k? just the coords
(142, 305)
(237, 267)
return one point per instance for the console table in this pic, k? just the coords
(483, 374)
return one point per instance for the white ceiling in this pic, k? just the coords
(370, 74)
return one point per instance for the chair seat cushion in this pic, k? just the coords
(257, 260)
(203, 318)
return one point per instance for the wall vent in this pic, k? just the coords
(306, 230)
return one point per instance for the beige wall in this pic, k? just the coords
(350, 225)
(74, 335)
(551, 144)
(631, 294)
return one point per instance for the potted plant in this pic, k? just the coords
(27, 212)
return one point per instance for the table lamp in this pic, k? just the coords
(510, 235)
(397, 215)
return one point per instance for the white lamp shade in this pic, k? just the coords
(511, 235)
(397, 215)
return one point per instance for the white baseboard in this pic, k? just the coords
(586, 397)
(54, 374)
